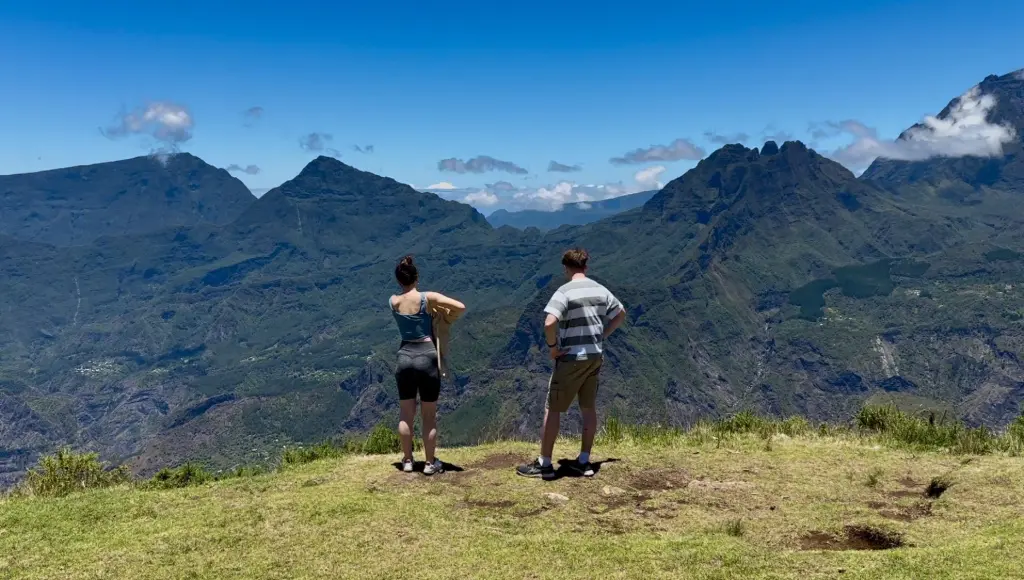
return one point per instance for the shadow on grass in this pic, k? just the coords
(566, 468)
(417, 467)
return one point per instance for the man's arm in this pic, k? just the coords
(551, 330)
(555, 310)
(613, 324)
(618, 314)
(551, 336)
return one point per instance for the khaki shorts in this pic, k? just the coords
(572, 378)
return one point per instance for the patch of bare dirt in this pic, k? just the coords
(908, 514)
(504, 507)
(1001, 481)
(532, 512)
(658, 480)
(706, 485)
(853, 538)
(500, 461)
(615, 502)
(405, 478)
(612, 526)
(486, 504)
(906, 493)
(456, 478)
(909, 482)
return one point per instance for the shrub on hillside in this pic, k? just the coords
(67, 472)
(185, 475)
(1016, 429)
(242, 471)
(382, 441)
(746, 422)
(928, 432)
(615, 431)
(301, 455)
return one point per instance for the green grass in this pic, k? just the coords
(187, 475)
(684, 505)
(67, 472)
(937, 432)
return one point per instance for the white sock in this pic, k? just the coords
(544, 461)
(584, 457)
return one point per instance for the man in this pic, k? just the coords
(580, 317)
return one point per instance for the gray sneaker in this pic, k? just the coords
(433, 467)
(407, 465)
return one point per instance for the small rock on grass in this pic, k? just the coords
(609, 491)
(556, 497)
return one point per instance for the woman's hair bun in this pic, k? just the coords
(405, 272)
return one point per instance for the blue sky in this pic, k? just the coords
(524, 83)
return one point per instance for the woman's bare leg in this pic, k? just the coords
(406, 416)
(428, 412)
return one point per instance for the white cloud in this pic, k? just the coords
(441, 186)
(677, 150)
(252, 115)
(481, 198)
(316, 142)
(250, 169)
(648, 177)
(167, 122)
(965, 131)
(479, 164)
(551, 197)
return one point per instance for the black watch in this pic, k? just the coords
(551, 345)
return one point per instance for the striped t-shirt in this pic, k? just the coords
(582, 307)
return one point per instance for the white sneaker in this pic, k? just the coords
(407, 465)
(434, 467)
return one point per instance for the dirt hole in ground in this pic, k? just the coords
(500, 461)
(853, 538)
(937, 487)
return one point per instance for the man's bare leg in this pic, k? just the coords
(552, 424)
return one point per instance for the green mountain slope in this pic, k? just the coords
(770, 279)
(708, 269)
(76, 205)
(132, 340)
(986, 187)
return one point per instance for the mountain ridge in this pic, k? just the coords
(76, 205)
(569, 214)
(769, 279)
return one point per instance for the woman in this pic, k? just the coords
(418, 371)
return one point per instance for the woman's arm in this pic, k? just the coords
(450, 303)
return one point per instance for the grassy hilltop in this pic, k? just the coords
(894, 497)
